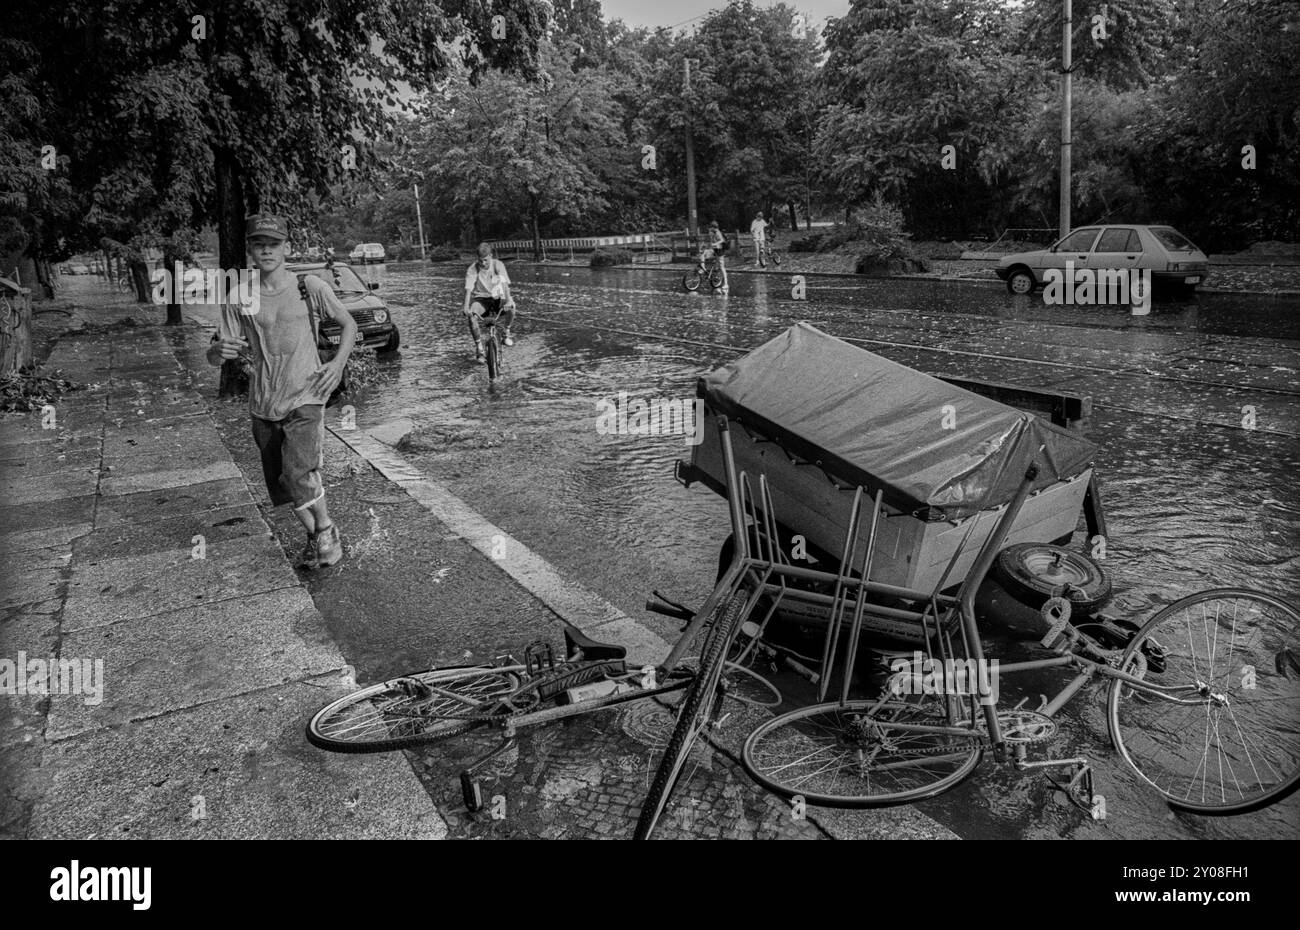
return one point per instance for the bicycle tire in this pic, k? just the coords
(715, 278)
(776, 258)
(695, 709)
(493, 357)
(921, 765)
(691, 281)
(328, 725)
(1273, 656)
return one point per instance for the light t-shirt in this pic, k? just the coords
(758, 229)
(487, 282)
(282, 346)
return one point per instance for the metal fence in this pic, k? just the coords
(645, 247)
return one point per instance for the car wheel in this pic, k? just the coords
(1021, 281)
(393, 342)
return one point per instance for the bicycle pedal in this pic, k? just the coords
(413, 688)
(471, 792)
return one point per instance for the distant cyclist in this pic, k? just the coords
(487, 291)
(718, 243)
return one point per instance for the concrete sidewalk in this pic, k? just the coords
(210, 666)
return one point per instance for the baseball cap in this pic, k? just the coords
(264, 224)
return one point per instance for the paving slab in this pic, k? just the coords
(25, 540)
(244, 764)
(186, 444)
(55, 556)
(188, 657)
(52, 461)
(19, 786)
(142, 585)
(47, 515)
(170, 503)
(27, 587)
(115, 484)
(25, 633)
(16, 433)
(57, 485)
(153, 403)
(217, 527)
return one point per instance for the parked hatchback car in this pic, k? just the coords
(1169, 255)
(375, 327)
(368, 252)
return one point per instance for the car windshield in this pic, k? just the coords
(1172, 239)
(341, 278)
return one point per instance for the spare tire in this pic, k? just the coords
(1034, 572)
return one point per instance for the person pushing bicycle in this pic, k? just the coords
(487, 291)
(718, 243)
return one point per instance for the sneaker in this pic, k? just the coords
(508, 341)
(329, 547)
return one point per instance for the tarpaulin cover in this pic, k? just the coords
(929, 445)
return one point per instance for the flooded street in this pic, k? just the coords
(1195, 496)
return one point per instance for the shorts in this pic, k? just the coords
(293, 455)
(484, 306)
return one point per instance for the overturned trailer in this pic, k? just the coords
(820, 417)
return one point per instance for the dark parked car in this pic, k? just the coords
(375, 327)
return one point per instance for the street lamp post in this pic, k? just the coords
(692, 221)
(1066, 64)
(419, 220)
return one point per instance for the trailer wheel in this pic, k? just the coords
(1033, 572)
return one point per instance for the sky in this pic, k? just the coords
(672, 12)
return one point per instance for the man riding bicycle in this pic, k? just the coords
(487, 287)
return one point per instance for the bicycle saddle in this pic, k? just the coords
(575, 639)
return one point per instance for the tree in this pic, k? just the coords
(177, 116)
(1120, 42)
(751, 89)
(923, 103)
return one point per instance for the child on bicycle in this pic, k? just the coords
(718, 243)
(487, 291)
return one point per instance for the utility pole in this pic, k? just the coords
(419, 220)
(692, 219)
(1066, 64)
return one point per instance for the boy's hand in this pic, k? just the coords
(327, 378)
(232, 346)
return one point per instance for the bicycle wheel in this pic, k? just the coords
(715, 278)
(1232, 656)
(695, 710)
(776, 258)
(691, 280)
(493, 356)
(418, 708)
(856, 755)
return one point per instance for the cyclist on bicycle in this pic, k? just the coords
(487, 288)
(718, 243)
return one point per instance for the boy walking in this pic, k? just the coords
(758, 229)
(288, 385)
